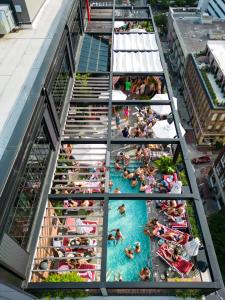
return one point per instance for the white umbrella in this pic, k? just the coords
(192, 247)
(119, 24)
(118, 95)
(158, 97)
(161, 109)
(162, 129)
(84, 152)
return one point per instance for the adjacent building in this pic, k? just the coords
(204, 92)
(188, 32)
(215, 8)
(217, 179)
(73, 116)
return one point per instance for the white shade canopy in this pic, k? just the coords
(162, 129)
(89, 154)
(135, 42)
(161, 109)
(137, 62)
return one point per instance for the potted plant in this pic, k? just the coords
(165, 165)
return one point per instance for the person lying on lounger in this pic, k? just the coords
(171, 254)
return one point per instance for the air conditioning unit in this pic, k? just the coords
(7, 22)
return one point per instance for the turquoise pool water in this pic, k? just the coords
(131, 226)
(123, 184)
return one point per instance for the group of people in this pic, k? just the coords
(144, 120)
(143, 176)
(129, 251)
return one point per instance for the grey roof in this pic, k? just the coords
(22, 55)
(194, 34)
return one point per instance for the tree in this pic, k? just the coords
(161, 22)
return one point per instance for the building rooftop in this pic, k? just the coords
(193, 33)
(217, 48)
(22, 56)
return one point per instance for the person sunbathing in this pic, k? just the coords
(85, 203)
(145, 274)
(129, 253)
(73, 203)
(151, 228)
(170, 254)
(176, 211)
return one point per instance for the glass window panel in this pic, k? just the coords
(22, 214)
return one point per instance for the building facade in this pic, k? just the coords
(217, 179)
(215, 8)
(70, 140)
(189, 29)
(206, 113)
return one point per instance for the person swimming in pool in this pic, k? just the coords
(120, 278)
(137, 248)
(122, 209)
(118, 235)
(129, 253)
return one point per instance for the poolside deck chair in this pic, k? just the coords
(181, 266)
(185, 236)
(88, 273)
(76, 225)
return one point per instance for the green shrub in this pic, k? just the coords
(193, 221)
(165, 165)
(216, 225)
(183, 178)
(64, 277)
(209, 86)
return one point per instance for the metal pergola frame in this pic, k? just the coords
(193, 195)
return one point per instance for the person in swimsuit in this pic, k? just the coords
(118, 235)
(129, 253)
(122, 209)
(145, 274)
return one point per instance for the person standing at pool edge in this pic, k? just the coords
(122, 209)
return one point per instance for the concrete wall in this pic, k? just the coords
(29, 9)
(33, 7)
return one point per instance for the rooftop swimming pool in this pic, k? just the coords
(121, 183)
(131, 226)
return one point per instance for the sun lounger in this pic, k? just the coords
(183, 237)
(76, 225)
(89, 275)
(181, 266)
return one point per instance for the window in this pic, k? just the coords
(223, 160)
(222, 117)
(60, 85)
(22, 214)
(75, 34)
(217, 127)
(218, 169)
(222, 179)
(214, 116)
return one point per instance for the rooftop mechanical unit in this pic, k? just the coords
(7, 22)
